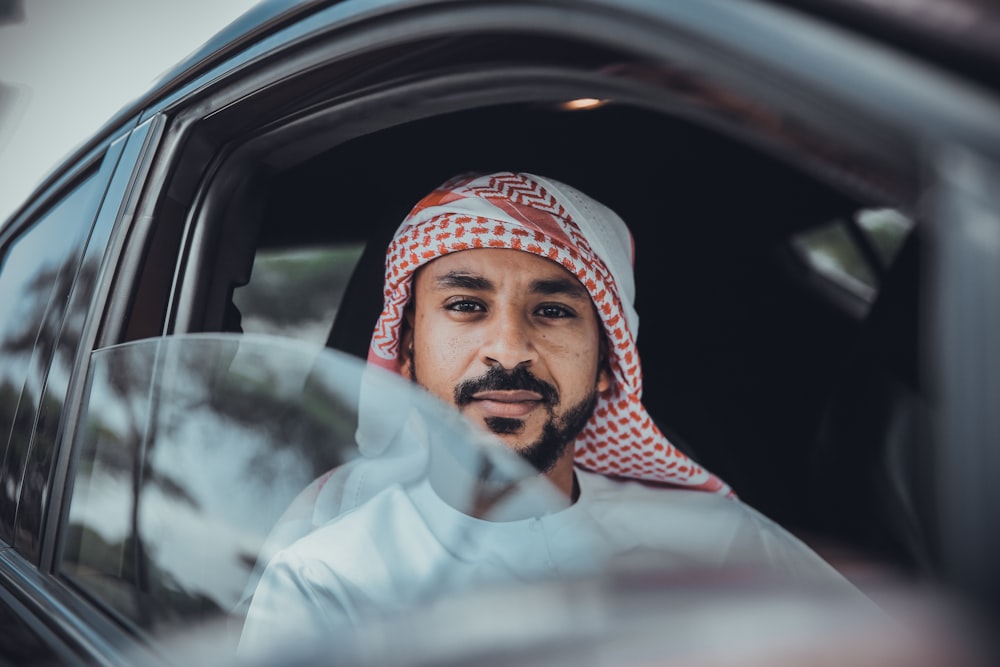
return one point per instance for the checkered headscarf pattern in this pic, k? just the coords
(549, 219)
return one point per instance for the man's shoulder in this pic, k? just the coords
(659, 512)
(711, 528)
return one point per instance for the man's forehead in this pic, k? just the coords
(498, 263)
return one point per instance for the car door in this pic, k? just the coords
(52, 254)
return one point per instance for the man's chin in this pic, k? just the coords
(516, 437)
(540, 438)
(516, 441)
(504, 426)
(540, 452)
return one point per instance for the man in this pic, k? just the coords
(574, 260)
(510, 296)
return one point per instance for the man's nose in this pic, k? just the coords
(508, 342)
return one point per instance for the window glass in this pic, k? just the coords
(189, 451)
(37, 271)
(886, 228)
(831, 252)
(834, 253)
(295, 292)
(203, 455)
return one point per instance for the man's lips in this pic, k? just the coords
(507, 396)
(507, 403)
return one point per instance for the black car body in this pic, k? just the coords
(811, 186)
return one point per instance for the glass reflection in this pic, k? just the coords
(37, 273)
(201, 455)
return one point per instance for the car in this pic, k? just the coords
(811, 190)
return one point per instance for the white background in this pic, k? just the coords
(67, 66)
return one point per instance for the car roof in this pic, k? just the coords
(962, 36)
(967, 45)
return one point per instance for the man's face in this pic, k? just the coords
(511, 339)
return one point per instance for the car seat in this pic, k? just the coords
(870, 473)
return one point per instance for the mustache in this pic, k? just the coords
(498, 379)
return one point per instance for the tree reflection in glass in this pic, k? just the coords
(188, 454)
(194, 447)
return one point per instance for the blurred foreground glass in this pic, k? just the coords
(196, 450)
(641, 618)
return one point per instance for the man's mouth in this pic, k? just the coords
(513, 394)
(513, 404)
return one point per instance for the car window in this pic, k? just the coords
(839, 256)
(194, 447)
(276, 230)
(832, 253)
(187, 455)
(37, 272)
(295, 292)
(886, 229)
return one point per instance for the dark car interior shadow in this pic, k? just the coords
(871, 473)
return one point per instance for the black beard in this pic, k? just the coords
(557, 434)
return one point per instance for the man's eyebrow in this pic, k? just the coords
(462, 280)
(560, 286)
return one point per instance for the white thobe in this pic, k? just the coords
(405, 546)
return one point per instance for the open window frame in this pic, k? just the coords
(215, 185)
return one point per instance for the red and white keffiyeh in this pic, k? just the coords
(550, 219)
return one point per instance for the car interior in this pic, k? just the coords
(744, 354)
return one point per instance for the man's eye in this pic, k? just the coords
(554, 312)
(466, 307)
